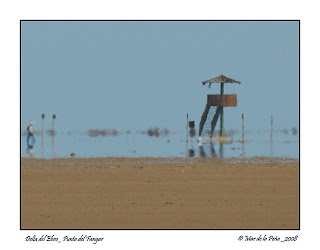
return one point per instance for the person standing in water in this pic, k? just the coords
(30, 136)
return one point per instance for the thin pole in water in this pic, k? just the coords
(53, 133)
(53, 124)
(242, 146)
(243, 117)
(187, 128)
(221, 113)
(271, 138)
(187, 146)
(271, 128)
(42, 134)
(42, 131)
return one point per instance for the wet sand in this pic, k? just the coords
(159, 193)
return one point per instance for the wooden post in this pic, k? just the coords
(187, 128)
(53, 134)
(53, 147)
(271, 128)
(42, 134)
(221, 112)
(42, 131)
(271, 138)
(243, 116)
(53, 125)
(242, 144)
(187, 141)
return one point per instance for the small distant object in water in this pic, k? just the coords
(157, 132)
(51, 132)
(128, 131)
(294, 131)
(199, 141)
(73, 154)
(133, 151)
(102, 132)
(69, 133)
(191, 124)
(153, 132)
(168, 141)
(30, 151)
(192, 132)
(233, 148)
(191, 153)
(165, 132)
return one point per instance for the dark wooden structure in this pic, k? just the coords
(215, 105)
(191, 124)
(222, 100)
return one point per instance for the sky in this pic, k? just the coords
(141, 74)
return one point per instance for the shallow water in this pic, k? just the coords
(257, 143)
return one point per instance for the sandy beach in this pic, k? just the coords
(159, 193)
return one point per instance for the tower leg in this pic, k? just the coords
(221, 122)
(214, 121)
(203, 119)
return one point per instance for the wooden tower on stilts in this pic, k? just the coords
(215, 105)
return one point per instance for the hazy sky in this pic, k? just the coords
(136, 75)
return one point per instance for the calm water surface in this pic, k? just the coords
(257, 143)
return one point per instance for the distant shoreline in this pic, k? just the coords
(190, 159)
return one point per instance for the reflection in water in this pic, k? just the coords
(191, 153)
(129, 142)
(30, 143)
(30, 151)
(212, 151)
(271, 146)
(221, 150)
(42, 146)
(53, 147)
(201, 151)
(201, 148)
(243, 141)
(243, 149)
(271, 150)
(192, 132)
(271, 138)
(30, 140)
(42, 134)
(187, 146)
(258, 144)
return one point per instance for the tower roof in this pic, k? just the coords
(220, 79)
